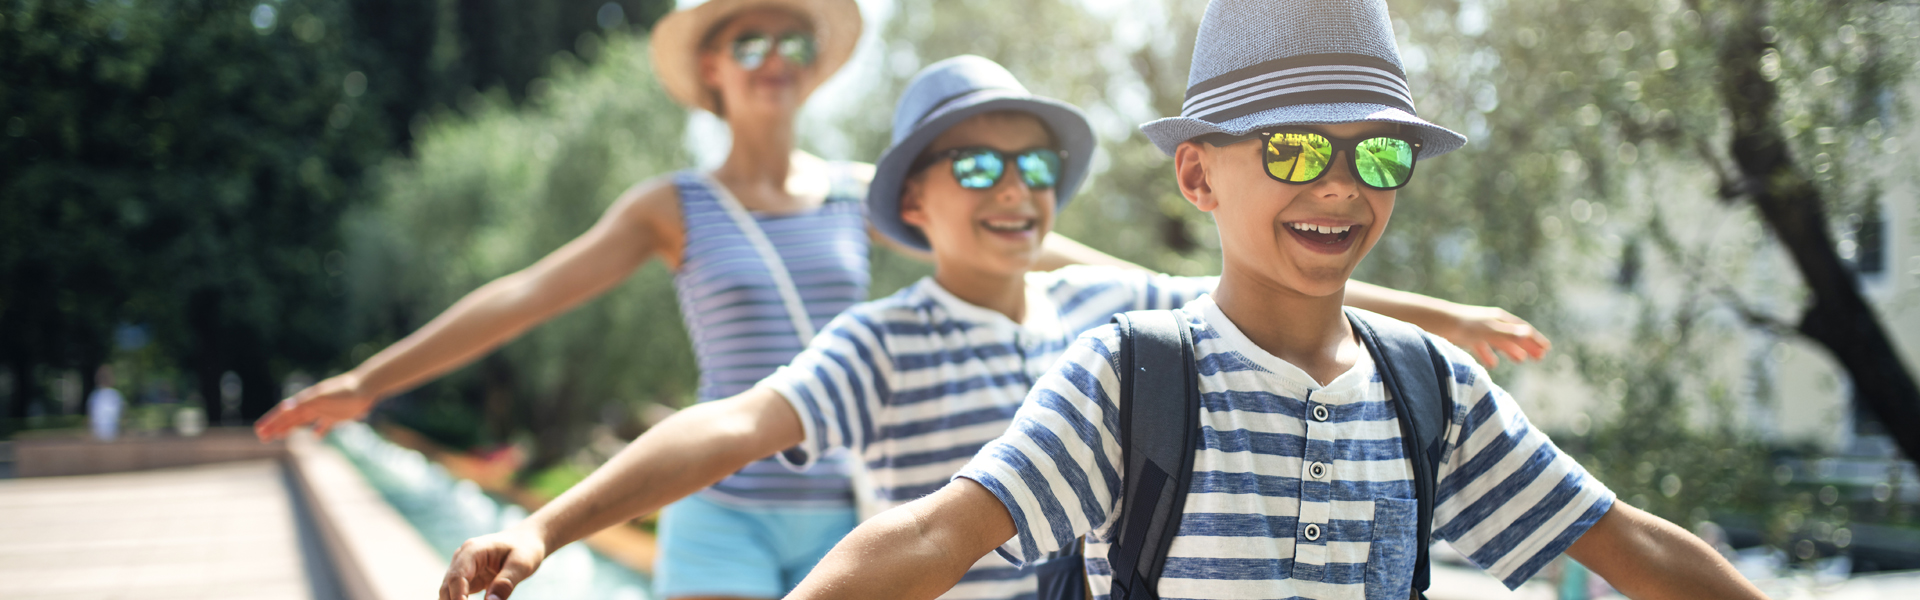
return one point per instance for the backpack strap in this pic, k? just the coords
(1159, 422)
(1417, 377)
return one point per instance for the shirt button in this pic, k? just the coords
(1320, 412)
(1313, 532)
(1317, 470)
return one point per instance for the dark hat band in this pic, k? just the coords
(1297, 80)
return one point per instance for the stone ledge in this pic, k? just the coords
(376, 552)
(77, 454)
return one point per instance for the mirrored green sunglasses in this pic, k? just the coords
(751, 48)
(978, 168)
(1294, 156)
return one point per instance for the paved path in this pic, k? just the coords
(214, 532)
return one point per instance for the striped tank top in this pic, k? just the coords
(740, 326)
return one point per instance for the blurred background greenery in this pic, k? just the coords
(1707, 203)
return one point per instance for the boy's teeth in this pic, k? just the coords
(1320, 228)
(1010, 225)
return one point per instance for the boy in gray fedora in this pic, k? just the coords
(1297, 130)
(917, 382)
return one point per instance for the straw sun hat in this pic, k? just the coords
(676, 39)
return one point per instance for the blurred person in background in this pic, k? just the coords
(766, 249)
(104, 405)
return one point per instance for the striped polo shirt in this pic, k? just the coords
(1284, 505)
(739, 324)
(915, 383)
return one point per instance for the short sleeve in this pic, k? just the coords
(1055, 469)
(837, 386)
(1507, 498)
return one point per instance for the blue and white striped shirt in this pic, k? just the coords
(915, 383)
(739, 325)
(1258, 522)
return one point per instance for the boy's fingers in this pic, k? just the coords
(514, 569)
(1487, 357)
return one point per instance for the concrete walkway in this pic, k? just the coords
(216, 532)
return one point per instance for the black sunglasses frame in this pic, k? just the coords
(1339, 146)
(1010, 159)
(775, 44)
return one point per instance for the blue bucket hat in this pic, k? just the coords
(1259, 64)
(946, 93)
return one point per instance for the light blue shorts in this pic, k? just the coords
(711, 549)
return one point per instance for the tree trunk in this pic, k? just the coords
(1839, 317)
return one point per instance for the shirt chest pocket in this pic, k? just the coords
(1393, 549)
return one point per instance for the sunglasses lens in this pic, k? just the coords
(751, 50)
(798, 48)
(978, 169)
(1039, 168)
(1297, 157)
(1383, 162)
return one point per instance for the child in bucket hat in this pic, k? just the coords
(1297, 130)
(917, 382)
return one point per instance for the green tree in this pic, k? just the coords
(176, 163)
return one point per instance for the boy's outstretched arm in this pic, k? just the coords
(1481, 330)
(681, 455)
(916, 550)
(1647, 557)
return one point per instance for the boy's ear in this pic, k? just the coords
(1190, 170)
(912, 203)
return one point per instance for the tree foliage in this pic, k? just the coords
(184, 164)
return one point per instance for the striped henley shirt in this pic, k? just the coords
(1288, 501)
(917, 382)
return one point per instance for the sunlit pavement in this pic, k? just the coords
(215, 532)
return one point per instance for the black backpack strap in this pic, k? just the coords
(1159, 423)
(1417, 377)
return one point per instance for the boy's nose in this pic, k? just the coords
(1012, 188)
(1338, 183)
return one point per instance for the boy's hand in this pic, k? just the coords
(322, 405)
(1484, 329)
(495, 563)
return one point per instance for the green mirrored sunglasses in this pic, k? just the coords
(1294, 156)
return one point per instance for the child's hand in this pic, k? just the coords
(331, 401)
(494, 563)
(1484, 329)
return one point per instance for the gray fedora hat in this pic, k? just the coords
(1259, 64)
(946, 93)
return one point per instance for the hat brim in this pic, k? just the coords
(1068, 125)
(676, 38)
(1434, 140)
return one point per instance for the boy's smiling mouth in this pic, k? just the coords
(1009, 225)
(1325, 238)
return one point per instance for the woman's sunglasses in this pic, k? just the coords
(1293, 156)
(750, 50)
(979, 168)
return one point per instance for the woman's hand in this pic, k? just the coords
(338, 398)
(1484, 329)
(495, 562)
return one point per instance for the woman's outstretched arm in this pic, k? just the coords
(635, 229)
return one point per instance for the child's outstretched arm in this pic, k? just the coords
(689, 451)
(916, 550)
(1647, 557)
(1478, 329)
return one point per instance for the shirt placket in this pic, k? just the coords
(1316, 476)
